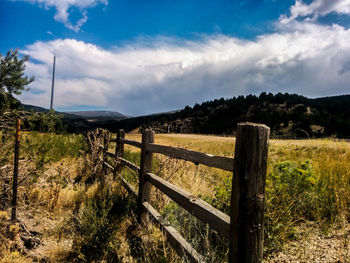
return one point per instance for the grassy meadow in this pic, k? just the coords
(307, 181)
(84, 215)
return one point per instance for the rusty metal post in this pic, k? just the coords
(15, 171)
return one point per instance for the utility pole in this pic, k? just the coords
(53, 81)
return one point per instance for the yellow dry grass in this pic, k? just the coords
(330, 161)
(197, 179)
(324, 153)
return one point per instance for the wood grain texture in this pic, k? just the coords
(248, 193)
(145, 167)
(221, 162)
(120, 144)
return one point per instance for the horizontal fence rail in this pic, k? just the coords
(128, 187)
(129, 164)
(196, 206)
(220, 162)
(180, 244)
(109, 154)
(243, 228)
(131, 142)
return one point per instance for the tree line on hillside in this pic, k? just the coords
(288, 115)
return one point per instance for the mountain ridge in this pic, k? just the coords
(288, 116)
(101, 113)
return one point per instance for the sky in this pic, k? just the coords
(139, 57)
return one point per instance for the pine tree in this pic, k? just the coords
(12, 78)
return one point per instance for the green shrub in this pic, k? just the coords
(96, 226)
(222, 195)
(291, 196)
(51, 147)
(295, 186)
(46, 122)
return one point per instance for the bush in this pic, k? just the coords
(291, 196)
(295, 186)
(222, 195)
(46, 122)
(96, 226)
(51, 147)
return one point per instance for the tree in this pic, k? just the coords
(12, 79)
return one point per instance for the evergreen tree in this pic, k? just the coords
(12, 79)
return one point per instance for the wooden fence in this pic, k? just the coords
(244, 227)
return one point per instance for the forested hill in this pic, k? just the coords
(288, 115)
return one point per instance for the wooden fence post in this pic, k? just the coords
(15, 171)
(105, 137)
(3, 135)
(119, 149)
(248, 193)
(145, 167)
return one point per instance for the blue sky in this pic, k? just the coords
(140, 57)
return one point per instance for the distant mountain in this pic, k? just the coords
(94, 114)
(80, 121)
(84, 114)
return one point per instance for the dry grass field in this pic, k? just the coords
(82, 220)
(307, 192)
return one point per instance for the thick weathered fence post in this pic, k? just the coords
(119, 149)
(145, 167)
(15, 171)
(248, 193)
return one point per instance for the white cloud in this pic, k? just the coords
(315, 9)
(62, 10)
(162, 75)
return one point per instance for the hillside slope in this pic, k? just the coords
(80, 121)
(288, 115)
(96, 114)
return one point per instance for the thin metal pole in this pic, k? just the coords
(53, 81)
(15, 171)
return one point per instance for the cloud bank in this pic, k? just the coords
(312, 60)
(315, 9)
(163, 74)
(62, 10)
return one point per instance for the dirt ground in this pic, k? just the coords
(312, 244)
(316, 245)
